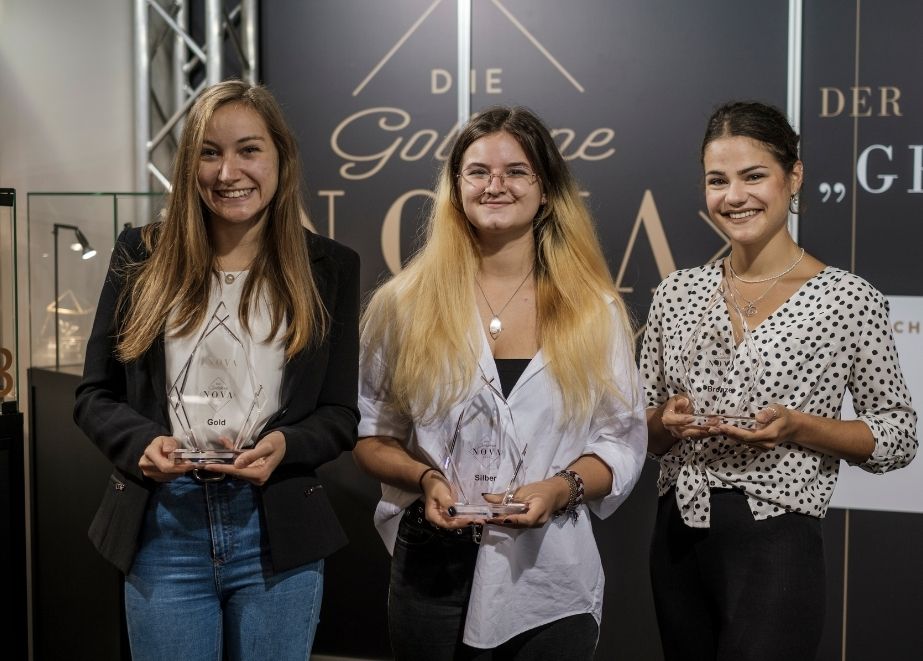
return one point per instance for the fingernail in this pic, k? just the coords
(485, 493)
(452, 511)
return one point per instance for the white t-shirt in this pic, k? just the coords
(267, 358)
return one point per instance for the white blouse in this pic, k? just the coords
(525, 577)
(832, 334)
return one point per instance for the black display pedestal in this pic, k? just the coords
(12, 533)
(77, 596)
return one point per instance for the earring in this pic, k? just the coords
(544, 199)
(794, 204)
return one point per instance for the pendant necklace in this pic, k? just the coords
(751, 308)
(496, 326)
(229, 278)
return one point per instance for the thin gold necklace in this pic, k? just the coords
(496, 326)
(751, 309)
(772, 277)
(229, 278)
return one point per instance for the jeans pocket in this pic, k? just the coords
(414, 531)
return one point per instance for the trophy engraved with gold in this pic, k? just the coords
(216, 397)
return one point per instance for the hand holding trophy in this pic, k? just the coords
(216, 397)
(484, 455)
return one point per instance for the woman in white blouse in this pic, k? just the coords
(772, 334)
(509, 300)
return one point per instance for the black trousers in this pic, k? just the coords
(431, 576)
(741, 590)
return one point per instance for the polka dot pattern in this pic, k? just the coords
(833, 334)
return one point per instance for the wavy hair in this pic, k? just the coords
(175, 280)
(421, 323)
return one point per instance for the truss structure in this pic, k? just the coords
(182, 47)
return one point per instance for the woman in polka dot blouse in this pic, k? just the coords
(737, 562)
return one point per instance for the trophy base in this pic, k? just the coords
(488, 510)
(714, 419)
(205, 456)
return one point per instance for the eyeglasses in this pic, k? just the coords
(515, 180)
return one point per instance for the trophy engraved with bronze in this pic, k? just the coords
(720, 373)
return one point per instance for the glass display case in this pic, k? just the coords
(71, 236)
(12, 454)
(9, 292)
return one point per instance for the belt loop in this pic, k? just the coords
(416, 511)
(206, 475)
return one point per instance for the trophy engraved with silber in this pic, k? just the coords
(484, 455)
(720, 376)
(216, 398)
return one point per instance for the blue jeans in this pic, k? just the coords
(201, 583)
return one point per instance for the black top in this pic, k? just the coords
(510, 369)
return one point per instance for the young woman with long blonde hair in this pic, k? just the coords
(223, 558)
(509, 300)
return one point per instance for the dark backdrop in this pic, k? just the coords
(627, 87)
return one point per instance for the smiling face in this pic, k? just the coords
(503, 207)
(747, 192)
(238, 167)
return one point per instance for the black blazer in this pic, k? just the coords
(122, 407)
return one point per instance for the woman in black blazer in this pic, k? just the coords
(224, 558)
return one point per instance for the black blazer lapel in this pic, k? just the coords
(320, 271)
(156, 369)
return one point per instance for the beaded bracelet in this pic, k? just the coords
(425, 473)
(575, 497)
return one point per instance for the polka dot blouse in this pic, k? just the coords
(832, 334)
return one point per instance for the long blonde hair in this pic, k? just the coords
(420, 324)
(176, 277)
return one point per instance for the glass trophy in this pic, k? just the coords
(719, 376)
(484, 455)
(216, 397)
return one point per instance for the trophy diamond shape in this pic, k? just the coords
(485, 455)
(719, 375)
(216, 398)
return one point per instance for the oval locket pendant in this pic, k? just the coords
(495, 327)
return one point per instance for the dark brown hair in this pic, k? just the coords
(759, 121)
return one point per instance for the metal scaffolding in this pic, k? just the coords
(182, 47)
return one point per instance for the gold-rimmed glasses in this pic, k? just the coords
(516, 180)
